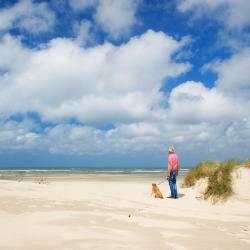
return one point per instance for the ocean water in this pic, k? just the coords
(92, 170)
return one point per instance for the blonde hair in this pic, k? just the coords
(171, 149)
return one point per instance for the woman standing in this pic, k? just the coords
(173, 169)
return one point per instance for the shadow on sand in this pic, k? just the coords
(180, 195)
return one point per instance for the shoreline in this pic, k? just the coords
(54, 175)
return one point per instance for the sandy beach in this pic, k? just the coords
(107, 211)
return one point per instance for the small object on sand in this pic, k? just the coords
(129, 215)
(41, 180)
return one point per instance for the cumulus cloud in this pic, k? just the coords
(99, 85)
(116, 17)
(234, 14)
(119, 85)
(238, 133)
(200, 122)
(192, 102)
(233, 73)
(95, 85)
(28, 16)
(18, 135)
(219, 115)
(217, 140)
(9, 49)
(83, 33)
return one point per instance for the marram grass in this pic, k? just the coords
(219, 178)
(247, 163)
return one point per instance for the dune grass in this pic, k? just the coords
(247, 163)
(219, 178)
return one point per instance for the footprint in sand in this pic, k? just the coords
(245, 229)
(240, 236)
(221, 228)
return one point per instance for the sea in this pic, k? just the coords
(93, 170)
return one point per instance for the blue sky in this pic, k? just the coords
(114, 82)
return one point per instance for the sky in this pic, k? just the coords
(115, 82)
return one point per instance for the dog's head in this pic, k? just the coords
(154, 185)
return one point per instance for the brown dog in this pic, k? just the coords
(156, 191)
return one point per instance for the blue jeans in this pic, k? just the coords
(172, 184)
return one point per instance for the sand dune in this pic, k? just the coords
(117, 212)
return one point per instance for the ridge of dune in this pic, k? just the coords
(240, 185)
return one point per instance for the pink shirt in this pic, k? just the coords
(173, 162)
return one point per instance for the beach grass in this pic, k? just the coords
(41, 180)
(247, 163)
(219, 178)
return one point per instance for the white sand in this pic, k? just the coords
(117, 212)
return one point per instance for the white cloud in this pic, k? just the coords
(120, 85)
(202, 123)
(9, 49)
(215, 140)
(83, 33)
(238, 135)
(192, 102)
(99, 85)
(234, 14)
(28, 16)
(233, 73)
(116, 17)
(231, 17)
(219, 115)
(96, 85)
(18, 136)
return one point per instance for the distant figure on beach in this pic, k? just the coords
(173, 169)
